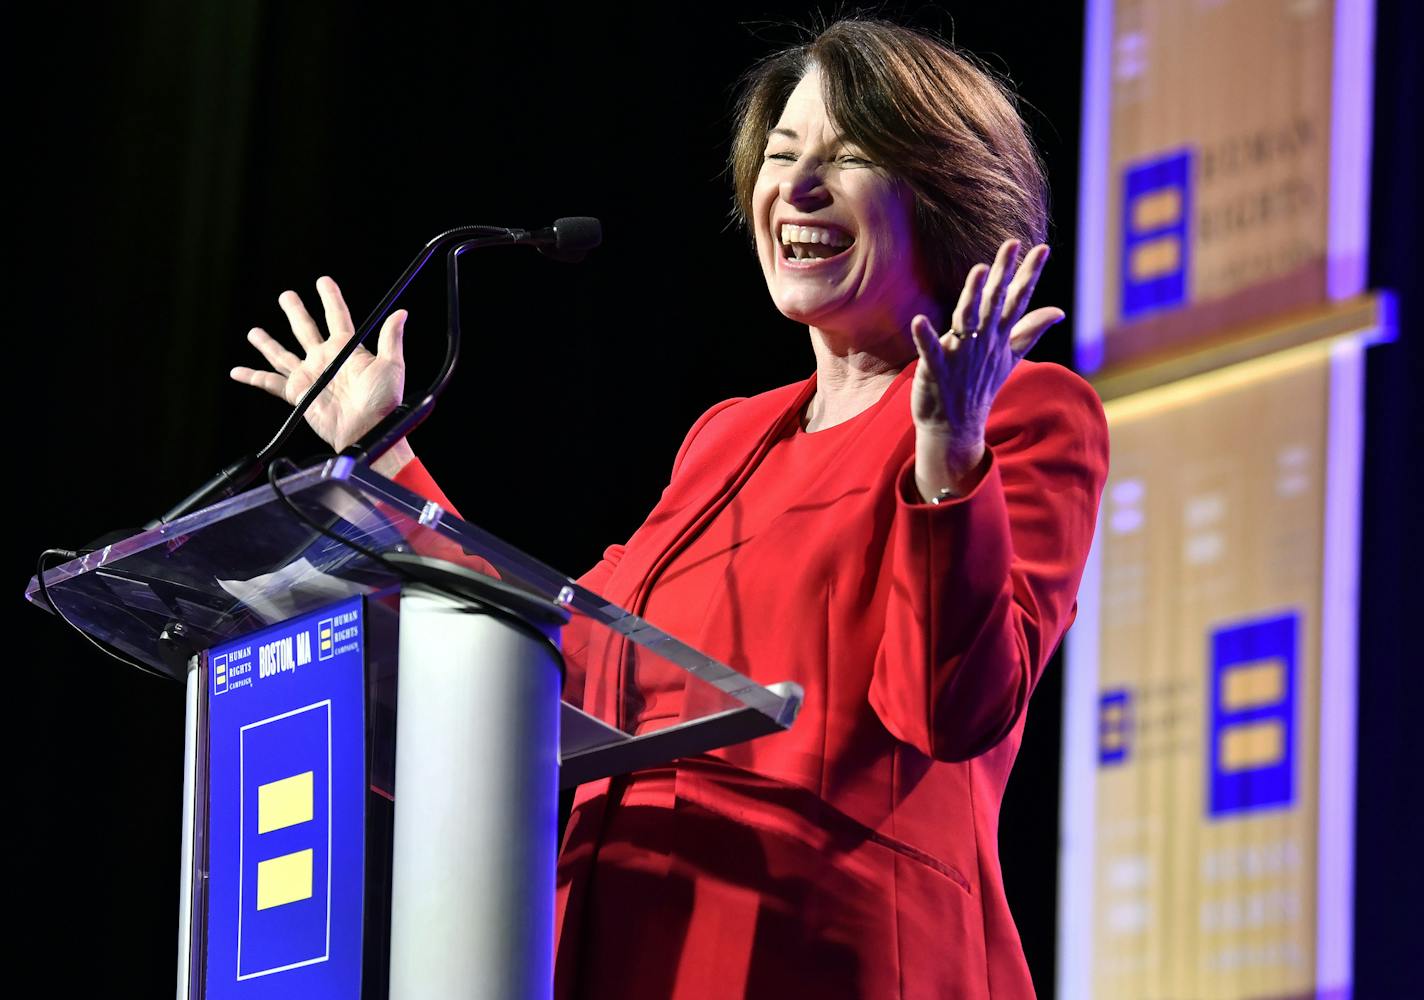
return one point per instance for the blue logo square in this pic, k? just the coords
(1156, 234)
(1251, 731)
(1114, 726)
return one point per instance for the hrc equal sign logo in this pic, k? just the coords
(1155, 237)
(1253, 708)
(280, 804)
(1114, 726)
(284, 896)
(325, 640)
(219, 668)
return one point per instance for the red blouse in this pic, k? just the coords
(679, 603)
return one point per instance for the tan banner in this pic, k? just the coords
(1216, 197)
(1209, 611)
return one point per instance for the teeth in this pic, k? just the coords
(814, 234)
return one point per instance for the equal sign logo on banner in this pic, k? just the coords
(325, 640)
(219, 668)
(1252, 744)
(284, 896)
(1156, 238)
(286, 878)
(1114, 726)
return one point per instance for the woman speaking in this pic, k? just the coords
(902, 534)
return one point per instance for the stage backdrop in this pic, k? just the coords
(1209, 728)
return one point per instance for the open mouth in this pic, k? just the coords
(813, 242)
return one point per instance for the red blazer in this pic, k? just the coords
(918, 633)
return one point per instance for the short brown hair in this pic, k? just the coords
(928, 114)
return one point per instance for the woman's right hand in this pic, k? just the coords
(368, 387)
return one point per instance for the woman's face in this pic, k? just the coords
(834, 232)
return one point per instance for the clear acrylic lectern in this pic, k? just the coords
(374, 745)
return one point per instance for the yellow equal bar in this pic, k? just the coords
(285, 879)
(1154, 258)
(1157, 209)
(1253, 685)
(1251, 745)
(284, 803)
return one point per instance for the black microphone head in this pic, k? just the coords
(574, 237)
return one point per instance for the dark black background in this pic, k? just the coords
(180, 165)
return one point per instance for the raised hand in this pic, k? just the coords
(962, 370)
(368, 387)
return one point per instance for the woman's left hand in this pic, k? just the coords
(961, 370)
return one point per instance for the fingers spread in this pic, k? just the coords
(1021, 290)
(923, 333)
(934, 351)
(392, 337)
(992, 305)
(269, 381)
(308, 333)
(966, 313)
(283, 361)
(1027, 330)
(338, 316)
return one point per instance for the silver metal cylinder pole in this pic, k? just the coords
(476, 799)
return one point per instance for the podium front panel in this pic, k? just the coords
(297, 727)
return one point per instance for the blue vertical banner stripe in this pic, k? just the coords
(286, 810)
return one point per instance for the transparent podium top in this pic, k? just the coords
(250, 562)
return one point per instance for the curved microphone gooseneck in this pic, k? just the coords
(567, 239)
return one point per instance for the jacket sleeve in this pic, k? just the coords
(416, 478)
(983, 587)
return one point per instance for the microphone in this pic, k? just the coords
(568, 239)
